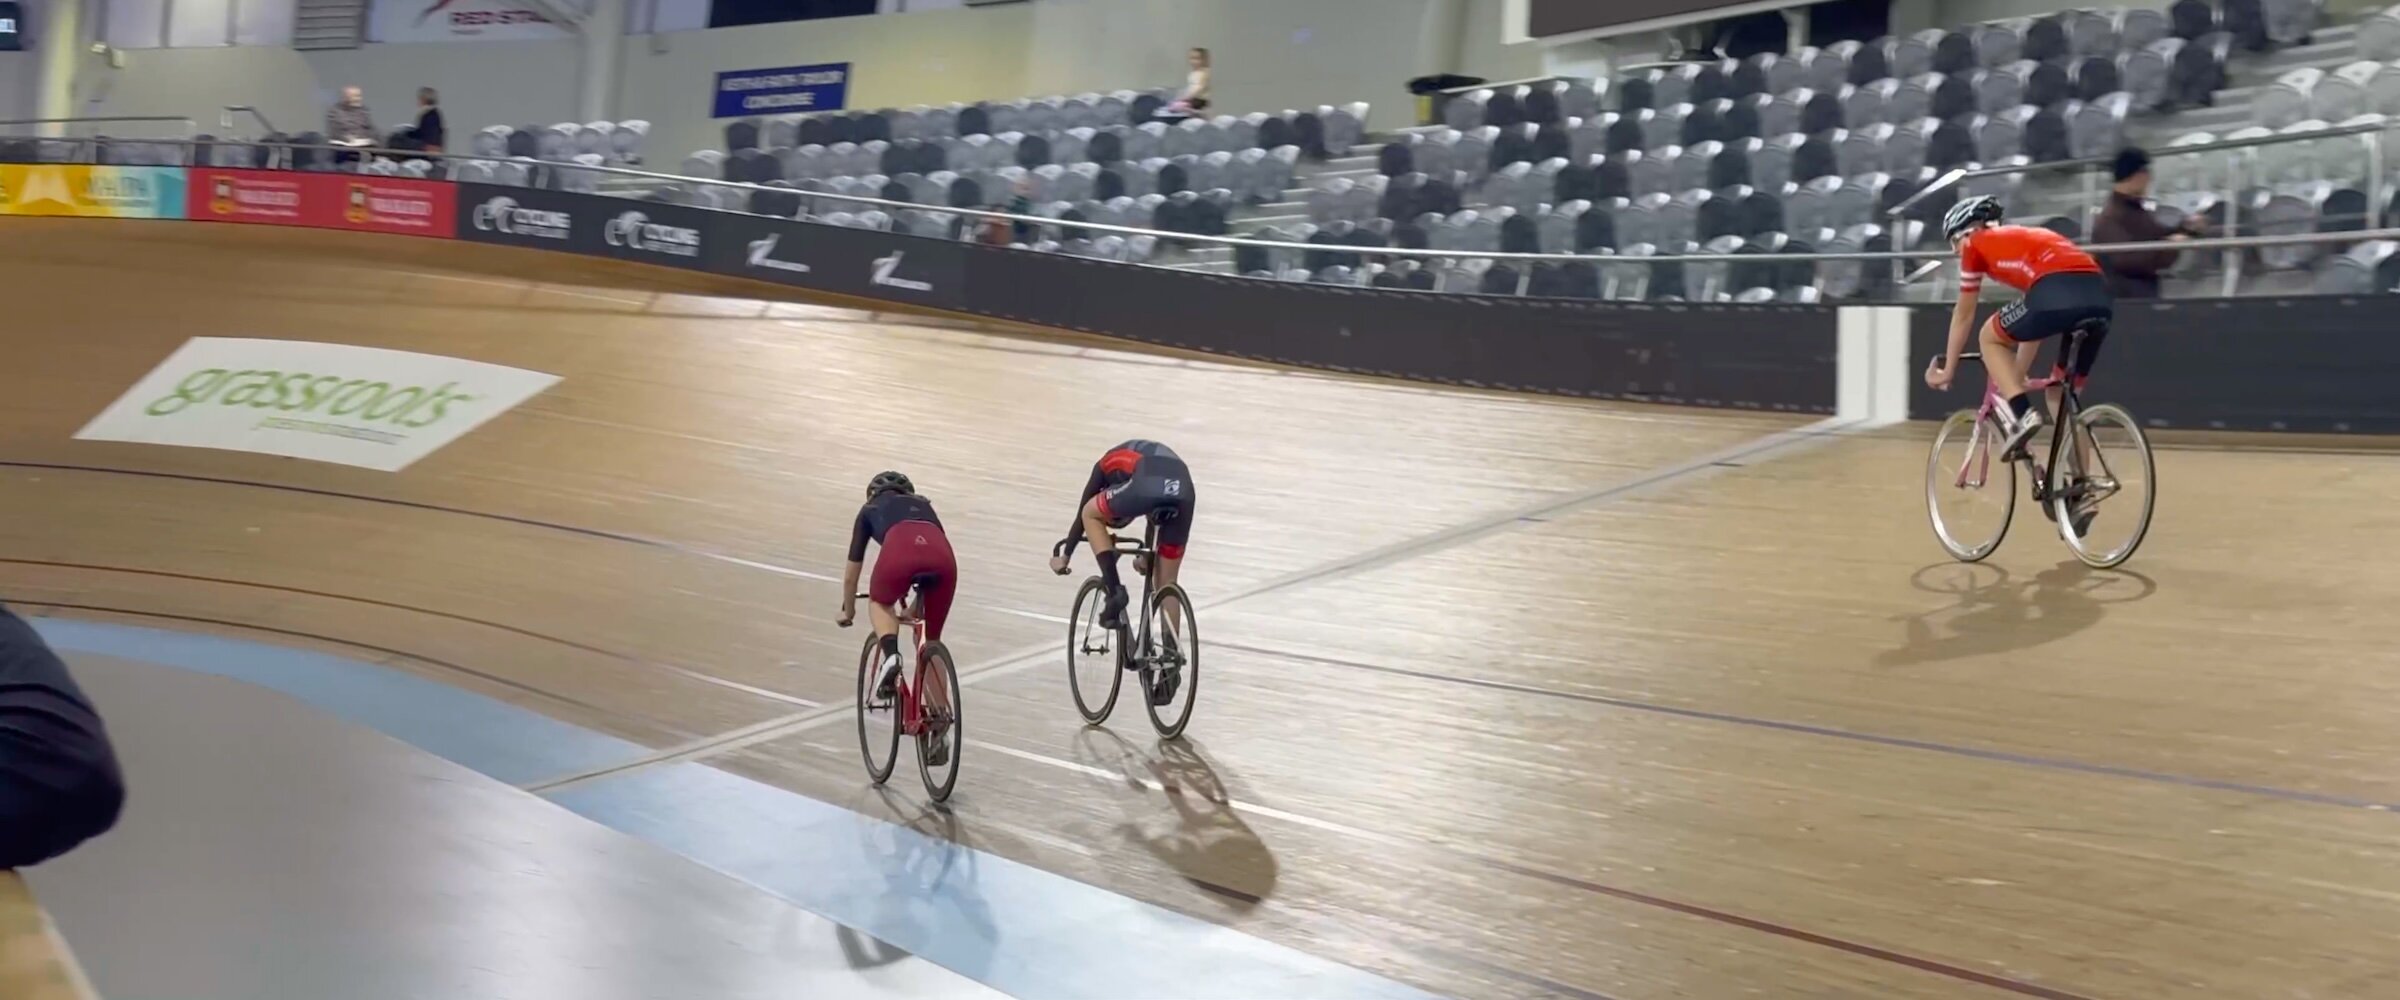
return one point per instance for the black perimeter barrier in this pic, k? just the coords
(1748, 357)
(2306, 364)
(2309, 363)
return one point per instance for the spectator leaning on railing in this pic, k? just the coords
(59, 781)
(2126, 218)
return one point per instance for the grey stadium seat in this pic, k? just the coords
(2288, 99)
(1998, 90)
(2146, 72)
(1997, 44)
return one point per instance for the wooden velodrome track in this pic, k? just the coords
(1492, 704)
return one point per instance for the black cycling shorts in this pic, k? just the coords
(1161, 490)
(2056, 304)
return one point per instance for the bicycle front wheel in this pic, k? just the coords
(1969, 492)
(2104, 496)
(943, 740)
(878, 717)
(1172, 661)
(1094, 670)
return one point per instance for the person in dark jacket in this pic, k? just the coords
(59, 780)
(2126, 218)
(428, 134)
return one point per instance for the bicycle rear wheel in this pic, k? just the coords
(1970, 494)
(2118, 492)
(1173, 652)
(878, 718)
(937, 684)
(1094, 663)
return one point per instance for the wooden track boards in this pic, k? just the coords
(1742, 732)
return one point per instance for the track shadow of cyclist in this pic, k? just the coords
(930, 891)
(1205, 840)
(1996, 613)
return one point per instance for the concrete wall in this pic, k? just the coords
(1269, 56)
(482, 83)
(1917, 15)
(20, 72)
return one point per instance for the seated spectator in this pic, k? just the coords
(348, 123)
(59, 780)
(1195, 96)
(2126, 218)
(427, 134)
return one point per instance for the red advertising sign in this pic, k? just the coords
(364, 203)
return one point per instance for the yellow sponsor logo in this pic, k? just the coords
(75, 189)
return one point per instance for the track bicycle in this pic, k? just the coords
(924, 705)
(1163, 649)
(1961, 472)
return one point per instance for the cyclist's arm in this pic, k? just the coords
(1091, 488)
(1962, 326)
(1962, 315)
(860, 531)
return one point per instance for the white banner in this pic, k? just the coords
(362, 406)
(465, 20)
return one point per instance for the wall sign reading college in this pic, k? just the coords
(362, 406)
(325, 201)
(786, 90)
(91, 192)
(463, 21)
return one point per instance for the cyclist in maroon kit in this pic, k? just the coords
(912, 551)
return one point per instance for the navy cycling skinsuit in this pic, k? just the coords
(1141, 479)
(913, 546)
(59, 780)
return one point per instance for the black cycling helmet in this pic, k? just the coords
(889, 482)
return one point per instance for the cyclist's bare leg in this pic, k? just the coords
(1162, 575)
(2008, 375)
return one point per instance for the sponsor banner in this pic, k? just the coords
(531, 217)
(361, 406)
(90, 191)
(325, 201)
(843, 261)
(464, 21)
(640, 231)
(785, 90)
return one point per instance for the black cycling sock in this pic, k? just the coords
(2020, 404)
(1108, 570)
(891, 645)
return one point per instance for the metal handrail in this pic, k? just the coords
(2095, 162)
(225, 117)
(2212, 243)
(189, 127)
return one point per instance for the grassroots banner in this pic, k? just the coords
(782, 91)
(464, 21)
(362, 406)
(325, 201)
(91, 192)
(860, 262)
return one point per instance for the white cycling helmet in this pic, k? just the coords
(1968, 214)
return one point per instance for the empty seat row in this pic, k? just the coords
(616, 142)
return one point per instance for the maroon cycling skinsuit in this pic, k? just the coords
(913, 548)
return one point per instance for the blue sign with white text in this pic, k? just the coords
(790, 90)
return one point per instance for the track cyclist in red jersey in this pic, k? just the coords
(1134, 479)
(2062, 288)
(912, 551)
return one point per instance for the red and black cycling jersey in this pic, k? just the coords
(877, 517)
(1124, 464)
